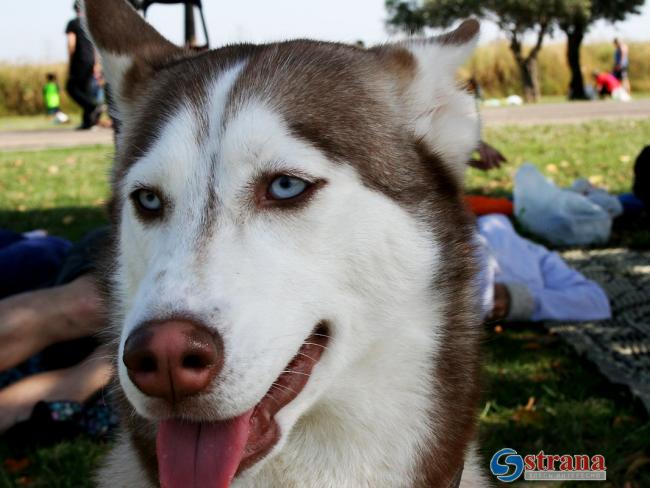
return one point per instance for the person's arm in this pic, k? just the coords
(72, 44)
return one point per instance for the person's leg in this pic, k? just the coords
(80, 93)
(77, 95)
(76, 384)
(31, 321)
(626, 81)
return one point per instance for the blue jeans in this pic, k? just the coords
(28, 264)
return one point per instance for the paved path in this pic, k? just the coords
(566, 113)
(42, 139)
(550, 113)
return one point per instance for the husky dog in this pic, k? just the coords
(292, 282)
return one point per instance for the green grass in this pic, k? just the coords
(36, 122)
(68, 464)
(603, 151)
(574, 409)
(60, 190)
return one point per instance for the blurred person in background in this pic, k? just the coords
(52, 99)
(82, 67)
(621, 64)
(608, 85)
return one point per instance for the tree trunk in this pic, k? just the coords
(530, 79)
(528, 64)
(575, 34)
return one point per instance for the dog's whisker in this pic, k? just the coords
(308, 357)
(285, 388)
(288, 371)
(269, 394)
(327, 336)
(293, 335)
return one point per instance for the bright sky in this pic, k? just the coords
(32, 30)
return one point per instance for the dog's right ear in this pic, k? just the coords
(131, 49)
(439, 114)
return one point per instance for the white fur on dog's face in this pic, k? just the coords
(263, 278)
(381, 252)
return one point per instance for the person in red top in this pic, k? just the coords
(606, 83)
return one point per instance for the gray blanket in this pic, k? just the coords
(620, 347)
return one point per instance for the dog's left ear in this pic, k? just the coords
(440, 114)
(131, 49)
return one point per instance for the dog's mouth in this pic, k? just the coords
(211, 454)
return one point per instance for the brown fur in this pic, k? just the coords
(465, 31)
(456, 377)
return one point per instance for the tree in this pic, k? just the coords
(576, 24)
(575, 27)
(514, 17)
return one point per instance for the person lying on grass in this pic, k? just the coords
(32, 368)
(523, 281)
(32, 321)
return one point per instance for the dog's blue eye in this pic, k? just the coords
(148, 200)
(286, 187)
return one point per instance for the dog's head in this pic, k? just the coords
(281, 210)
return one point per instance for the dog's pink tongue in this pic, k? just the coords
(204, 455)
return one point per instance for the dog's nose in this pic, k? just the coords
(174, 359)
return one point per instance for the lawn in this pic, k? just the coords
(60, 190)
(603, 151)
(539, 395)
(37, 122)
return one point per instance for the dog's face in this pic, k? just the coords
(278, 209)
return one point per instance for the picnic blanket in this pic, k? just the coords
(620, 347)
